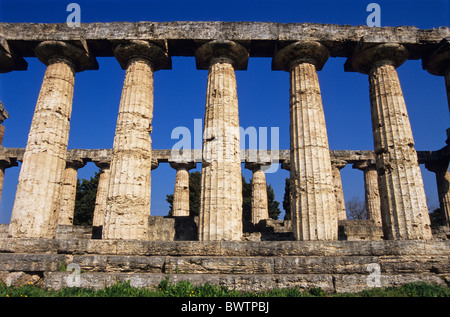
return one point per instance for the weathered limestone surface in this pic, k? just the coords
(3, 116)
(224, 248)
(45, 191)
(35, 211)
(179, 228)
(9, 61)
(371, 191)
(182, 36)
(100, 199)
(438, 63)
(260, 209)
(313, 205)
(181, 191)
(336, 166)
(329, 283)
(221, 194)
(128, 202)
(334, 266)
(68, 193)
(14, 155)
(356, 230)
(443, 187)
(403, 202)
(4, 162)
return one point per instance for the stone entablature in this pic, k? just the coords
(183, 38)
(14, 155)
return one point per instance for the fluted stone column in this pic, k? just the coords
(371, 192)
(128, 202)
(313, 204)
(100, 199)
(443, 187)
(403, 203)
(4, 164)
(260, 208)
(438, 63)
(221, 194)
(3, 116)
(336, 166)
(68, 193)
(35, 211)
(181, 191)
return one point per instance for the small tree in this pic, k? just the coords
(287, 199)
(195, 190)
(86, 193)
(273, 205)
(246, 200)
(356, 209)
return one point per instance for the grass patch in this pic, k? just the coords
(186, 289)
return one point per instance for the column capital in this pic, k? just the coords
(370, 55)
(8, 60)
(183, 165)
(78, 56)
(286, 165)
(222, 51)
(256, 166)
(75, 164)
(155, 163)
(301, 52)
(7, 163)
(440, 166)
(438, 62)
(339, 164)
(364, 165)
(102, 164)
(3, 113)
(124, 52)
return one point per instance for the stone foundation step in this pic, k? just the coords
(244, 282)
(226, 264)
(225, 248)
(331, 265)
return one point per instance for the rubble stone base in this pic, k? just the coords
(334, 266)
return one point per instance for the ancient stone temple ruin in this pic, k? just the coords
(319, 247)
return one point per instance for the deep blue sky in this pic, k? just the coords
(263, 94)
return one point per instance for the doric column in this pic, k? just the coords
(128, 202)
(260, 208)
(221, 194)
(313, 204)
(100, 199)
(35, 211)
(336, 166)
(4, 164)
(371, 192)
(181, 191)
(3, 115)
(68, 192)
(443, 187)
(403, 203)
(438, 63)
